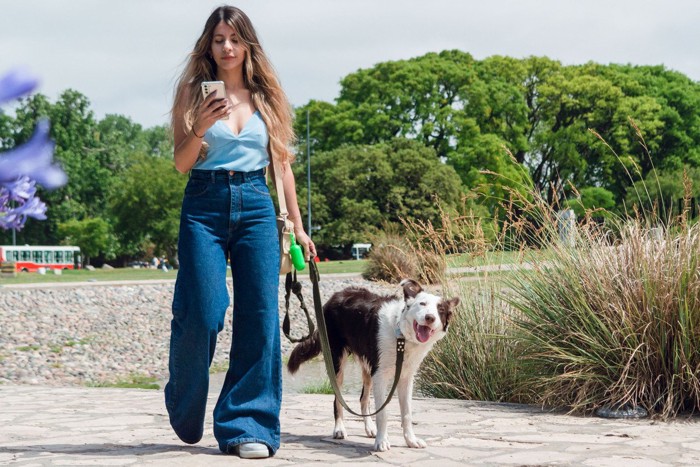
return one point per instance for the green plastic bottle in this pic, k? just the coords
(297, 254)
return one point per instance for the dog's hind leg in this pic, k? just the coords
(339, 430)
(405, 389)
(370, 427)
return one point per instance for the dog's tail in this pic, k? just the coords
(303, 352)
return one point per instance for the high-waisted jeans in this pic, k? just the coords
(227, 216)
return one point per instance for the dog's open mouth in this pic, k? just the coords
(423, 333)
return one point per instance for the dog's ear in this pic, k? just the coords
(445, 309)
(411, 288)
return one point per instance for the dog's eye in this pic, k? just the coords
(423, 303)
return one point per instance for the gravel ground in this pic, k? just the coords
(103, 334)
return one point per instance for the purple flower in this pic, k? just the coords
(20, 190)
(21, 168)
(34, 160)
(14, 218)
(16, 84)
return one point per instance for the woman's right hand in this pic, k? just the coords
(212, 109)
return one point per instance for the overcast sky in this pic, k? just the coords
(125, 55)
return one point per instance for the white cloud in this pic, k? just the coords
(125, 55)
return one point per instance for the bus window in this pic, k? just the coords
(15, 255)
(37, 256)
(69, 256)
(59, 256)
(26, 255)
(48, 257)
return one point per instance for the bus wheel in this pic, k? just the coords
(24, 270)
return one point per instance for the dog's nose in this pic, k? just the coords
(429, 319)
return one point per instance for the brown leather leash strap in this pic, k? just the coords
(328, 358)
(291, 284)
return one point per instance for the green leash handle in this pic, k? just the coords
(297, 254)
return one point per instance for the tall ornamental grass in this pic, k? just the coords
(613, 323)
(476, 360)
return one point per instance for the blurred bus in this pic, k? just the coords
(31, 258)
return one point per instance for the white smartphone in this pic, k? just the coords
(210, 86)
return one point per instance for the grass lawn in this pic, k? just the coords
(131, 274)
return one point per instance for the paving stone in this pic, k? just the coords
(49, 425)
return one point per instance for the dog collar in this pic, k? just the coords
(397, 329)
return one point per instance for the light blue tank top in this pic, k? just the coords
(244, 152)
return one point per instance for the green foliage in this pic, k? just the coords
(661, 190)
(359, 188)
(592, 198)
(504, 126)
(94, 154)
(94, 236)
(146, 207)
(468, 111)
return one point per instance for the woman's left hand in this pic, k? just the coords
(305, 241)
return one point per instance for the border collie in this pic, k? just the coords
(366, 324)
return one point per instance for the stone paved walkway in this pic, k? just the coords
(41, 426)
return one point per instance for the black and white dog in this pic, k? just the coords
(366, 324)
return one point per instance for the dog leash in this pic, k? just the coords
(291, 284)
(328, 358)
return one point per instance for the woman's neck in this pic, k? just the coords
(233, 79)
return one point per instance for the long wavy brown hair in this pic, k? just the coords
(259, 77)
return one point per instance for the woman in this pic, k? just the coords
(227, 142)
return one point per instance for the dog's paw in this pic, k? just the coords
(340, 433)
(416, 443)
(382, 445)
(370, 429)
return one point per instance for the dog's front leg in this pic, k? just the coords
(381, 442)
(405, 389)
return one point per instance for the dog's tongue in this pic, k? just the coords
(422, 332)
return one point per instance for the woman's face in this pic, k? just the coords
(227, 49)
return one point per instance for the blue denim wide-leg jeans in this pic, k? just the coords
(227, 215)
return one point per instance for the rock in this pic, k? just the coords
(99, 333)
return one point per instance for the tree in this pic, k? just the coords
(94, 154)
(146, 207)
(360, 188)
(660, 191)
(538, 109)
(593, 198)
(93, 235)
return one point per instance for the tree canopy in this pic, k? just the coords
(468, 111)
(400, 135)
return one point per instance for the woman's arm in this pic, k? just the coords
(187, 145)
(290, 196)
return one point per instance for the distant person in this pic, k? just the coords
(155, 262)
(226, 143)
